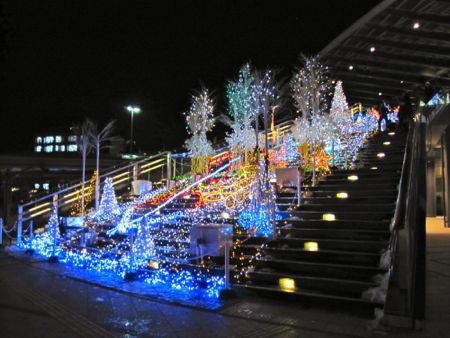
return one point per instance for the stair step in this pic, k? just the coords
(343, 224)
(336, 244)
(320, 269)
(331, 208)
(340, 215)
(328, 256)
(301, 294)
(333, 233)
(332, 286)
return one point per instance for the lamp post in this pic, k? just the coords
(132, 110)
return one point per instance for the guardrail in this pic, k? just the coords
(405, 299)
(65, 198)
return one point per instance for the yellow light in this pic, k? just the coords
(373, 168)
(329, 217)
(381, 155)
(391, 133)
(341, 195)
(311, 246)
(225, 215)
(352, 178)
(386, 143)
(287, 284)
(153, 264)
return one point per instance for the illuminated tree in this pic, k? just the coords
(309, 87)
(84, 147)
(98, 139)
(240, 115)
(199, 121)
(109, 208)
(143, 246)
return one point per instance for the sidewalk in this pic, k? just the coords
(38, 301)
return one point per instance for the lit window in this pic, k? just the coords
(48, 149)
(62, 148)
(48, 139)
(38, 140)
(72, 147)
(38, 149)
(72, 138)
(45, 186)
(58, 139)
(37, 186)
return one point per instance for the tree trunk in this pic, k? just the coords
(83, 174)
(97, 178)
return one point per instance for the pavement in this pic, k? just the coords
(38, 299)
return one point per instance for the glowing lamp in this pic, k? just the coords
(153, 264)
(311, 246)
(386, 143)
(187, 197)
(225, 215)
(416, 25)
(287, 284)
(381, 155)
(352, 178)
(373, 168)
(342, 195)
(329, 217)
(391, 133)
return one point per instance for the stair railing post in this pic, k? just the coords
(19, 224)
(135, 172)
(169, 169)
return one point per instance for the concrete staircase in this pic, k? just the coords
(346, 251)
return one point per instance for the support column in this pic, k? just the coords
(446, 174)
(431, 185)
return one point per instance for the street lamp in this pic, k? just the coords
(132, 110)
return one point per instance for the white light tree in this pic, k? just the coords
(309, 87)
(98, 140)
(199, 121)
(109, 208)
(240, 116)
(343, 121)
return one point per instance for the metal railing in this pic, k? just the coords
(156, 168)
(405, 299)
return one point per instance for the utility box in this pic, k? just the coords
(209, 239)
(141, 187)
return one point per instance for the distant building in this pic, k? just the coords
(56, 143)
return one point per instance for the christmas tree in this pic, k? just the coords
(143, 245)
(109, 208)
(53, 225)
(199, 121)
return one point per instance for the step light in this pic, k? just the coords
(381, 155)
(311, 246)
(287, 284)
(391, 133)
(352, 178)
(153, 264)
(329, 217)
(342, 195)
(373, 168)
(386, 143)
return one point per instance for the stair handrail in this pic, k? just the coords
(405, 299)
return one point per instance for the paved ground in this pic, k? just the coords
(36, 301)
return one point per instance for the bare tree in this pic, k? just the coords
(84, 147)
(97, 140)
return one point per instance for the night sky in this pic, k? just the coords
(67, 60)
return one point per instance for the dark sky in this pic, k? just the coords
(67, 60)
